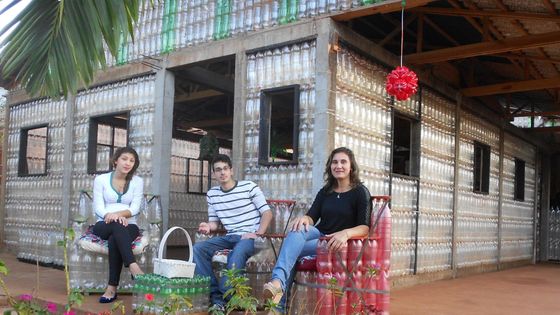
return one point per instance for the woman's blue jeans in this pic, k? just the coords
(296, 245)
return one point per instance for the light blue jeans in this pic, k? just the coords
(203, 252)
(296, 245)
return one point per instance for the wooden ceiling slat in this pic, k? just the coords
(485, 48)
(512, 87)
(487, 13)
(523, 57)
(540, 50)
(379, 8)
(533, 114)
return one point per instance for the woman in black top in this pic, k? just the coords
(343, 209)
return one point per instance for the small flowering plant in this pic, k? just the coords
(171, 305)
(25, 304)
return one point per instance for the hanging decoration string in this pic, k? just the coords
(402, 82)
(402, 28)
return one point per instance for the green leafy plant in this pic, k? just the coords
(239, 293)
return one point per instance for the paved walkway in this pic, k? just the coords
(526, 290)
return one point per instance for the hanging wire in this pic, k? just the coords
(402, 28)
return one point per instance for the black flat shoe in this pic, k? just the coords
(105, 300)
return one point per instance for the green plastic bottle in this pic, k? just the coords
(283, 12)
(293, 10)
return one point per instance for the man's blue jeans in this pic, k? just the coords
(296, 245)
(203, 252)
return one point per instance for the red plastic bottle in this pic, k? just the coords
(369, 281)
(324, 263)
(355, 305)
(383, 229)
(341, 297)
(369, 258)
(324, 295)
(383, 299)
(354, 248)
(339, 265)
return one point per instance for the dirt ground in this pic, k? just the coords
(527, 290)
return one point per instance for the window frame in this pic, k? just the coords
(202, 175)
(23, 170)
(519, 180)
(483, 177)
(94, 122)
(414, 149)
(265, 124)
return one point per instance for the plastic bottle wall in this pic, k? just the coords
(517, 214)
(135, 96)
(187, 209)
(34, 202)
(477, 213)
(437, 166)
(279, 67)
(170, 25)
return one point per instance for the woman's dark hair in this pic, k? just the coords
(330, 181)
(121, 151)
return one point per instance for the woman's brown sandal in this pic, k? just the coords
(272, 292)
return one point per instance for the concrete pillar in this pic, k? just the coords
(4, 171)
(239, 114)
(459, 99)
(325, 81)
(163, 127)
(67, 161)
(545, 207)
(500, 196)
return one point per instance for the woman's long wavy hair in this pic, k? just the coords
(121, 151)
(330, 181)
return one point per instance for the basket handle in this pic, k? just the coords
(164, 241)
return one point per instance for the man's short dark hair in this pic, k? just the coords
(221, 158)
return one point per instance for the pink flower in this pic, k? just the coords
(149, 297)
(26, 297)
(70, 312)
(51, 307)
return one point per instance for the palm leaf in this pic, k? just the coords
(57, 45)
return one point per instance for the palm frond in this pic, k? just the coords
(57, 45)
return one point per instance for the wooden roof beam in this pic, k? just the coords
(485, 48)
(487, 13)
(379, 8)
(525, 57)
(544, 129)
(533, 114)
(213, 80)
(512, 87)
(197, 95)
(540, 50)
(397, 31)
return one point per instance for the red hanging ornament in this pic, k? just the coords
(402, 83)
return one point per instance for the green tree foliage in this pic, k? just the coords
(57, 45)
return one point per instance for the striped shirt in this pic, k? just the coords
(239, 209)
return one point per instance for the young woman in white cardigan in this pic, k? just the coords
(117, 197)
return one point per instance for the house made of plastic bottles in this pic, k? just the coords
(278, 84)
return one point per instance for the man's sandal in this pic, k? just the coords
(272, 292)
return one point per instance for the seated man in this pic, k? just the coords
(242, 209)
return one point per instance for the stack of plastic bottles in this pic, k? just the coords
(151, 292)
(367, 261)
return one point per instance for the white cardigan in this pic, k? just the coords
(106, 199)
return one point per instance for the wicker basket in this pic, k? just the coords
(174, 268)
